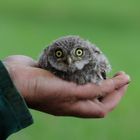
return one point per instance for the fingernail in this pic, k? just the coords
(129, 79)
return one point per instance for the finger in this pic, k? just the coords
(20, 59)
(114, 83)
(111, 100)
(89, 91)
(86, 109)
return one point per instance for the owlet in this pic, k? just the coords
(75, 59)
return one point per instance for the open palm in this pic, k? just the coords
(45, 92)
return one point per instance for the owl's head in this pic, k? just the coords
(69, 53)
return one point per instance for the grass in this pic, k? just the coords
(25, 28)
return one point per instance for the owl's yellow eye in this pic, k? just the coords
(79, 52)
(59, 53)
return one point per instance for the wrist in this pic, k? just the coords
(13, 108)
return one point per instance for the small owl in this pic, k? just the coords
(75, 59)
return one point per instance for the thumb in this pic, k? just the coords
(20, 60)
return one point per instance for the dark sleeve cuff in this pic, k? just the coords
(14, 113)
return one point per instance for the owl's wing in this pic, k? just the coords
(102, 63)
(103, 66)
(43, 59)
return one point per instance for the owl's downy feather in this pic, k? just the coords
(75, 59)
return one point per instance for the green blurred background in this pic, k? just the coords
(27, 26)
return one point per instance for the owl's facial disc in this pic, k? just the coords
(77, 60)
(73, 59)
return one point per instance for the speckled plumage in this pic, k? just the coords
(91, 66)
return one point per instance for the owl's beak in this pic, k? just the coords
(69, 60)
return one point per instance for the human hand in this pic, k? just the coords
(45, 92)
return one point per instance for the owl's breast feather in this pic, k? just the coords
(80, 64)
